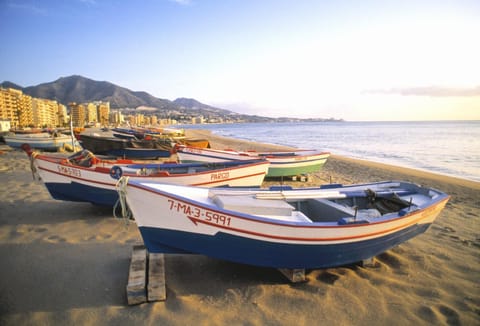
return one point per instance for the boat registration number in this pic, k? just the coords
(199, 214)
(69, 171)
(192, 150)
(219, 176)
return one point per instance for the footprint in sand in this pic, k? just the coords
(476, 242)
(40, 230)
(448, 229)
(15, 234)
(328, 278)
(56, 239)
(453, 318)
(427, 314)
(390, 260)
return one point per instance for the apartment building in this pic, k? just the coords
(83, 114)
(78, 114)
(92, 113)
(103, 109)
(16, 107)
(25, 111)
(45, 113)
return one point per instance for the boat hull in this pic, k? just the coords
(70, 182)
(81, 192)
(289, 164)
(127, 148)
(138, 153)
(272, 254)
(170, 221)
(39, 141)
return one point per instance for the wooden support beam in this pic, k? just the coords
(369, 262)
(302, 178)
(156, 277)
(293, 275)
(136, 287)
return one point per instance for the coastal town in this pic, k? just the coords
(20, 110)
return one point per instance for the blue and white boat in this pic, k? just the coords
(44, 141)
(282, 164)
(84, 177)
(282, 228)
(127, 148)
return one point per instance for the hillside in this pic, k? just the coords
(80, 89)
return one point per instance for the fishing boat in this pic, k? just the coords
(194, 142)
(282, 227)
(281, 163)
(127, 148)
(86, 178)
(127, 133)
(43, 140)
(142, 132)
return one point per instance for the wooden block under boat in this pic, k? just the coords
(156, 277)
(136, 287)
(293, 275)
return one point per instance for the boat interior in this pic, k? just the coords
(361, 208)
(185, 168)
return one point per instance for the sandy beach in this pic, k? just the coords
(66, 263)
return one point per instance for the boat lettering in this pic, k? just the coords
(217, 218)
(184, 208)
(219, 176)
(192, 150)
(197, 213)
(69, 171)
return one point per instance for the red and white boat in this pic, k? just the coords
(85, 178)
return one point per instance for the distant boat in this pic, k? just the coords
(282, 228)
(127, 148)
(195, 142)
(44, 141)
(27, 130)
(289, 163)
(147, 133)
(86, 178)
(127, 133)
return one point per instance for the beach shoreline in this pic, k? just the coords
(67, 263)
(222, 142)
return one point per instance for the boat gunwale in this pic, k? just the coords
(62, 162)
(387, 218)
(269, 155)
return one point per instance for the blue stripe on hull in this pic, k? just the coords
(139, 153)
(78, 192)
(270, 254)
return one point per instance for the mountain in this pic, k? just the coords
(194, 104)
(80, 89)
(7, 84)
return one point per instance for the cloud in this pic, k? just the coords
(433, 91)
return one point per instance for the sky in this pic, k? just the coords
(354, 60)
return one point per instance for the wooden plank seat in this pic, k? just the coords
(270, 208)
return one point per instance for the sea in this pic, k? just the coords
(445, 147)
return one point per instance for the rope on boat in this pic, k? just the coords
(32, 166)
(126, 213)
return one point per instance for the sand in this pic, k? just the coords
(67, 263)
